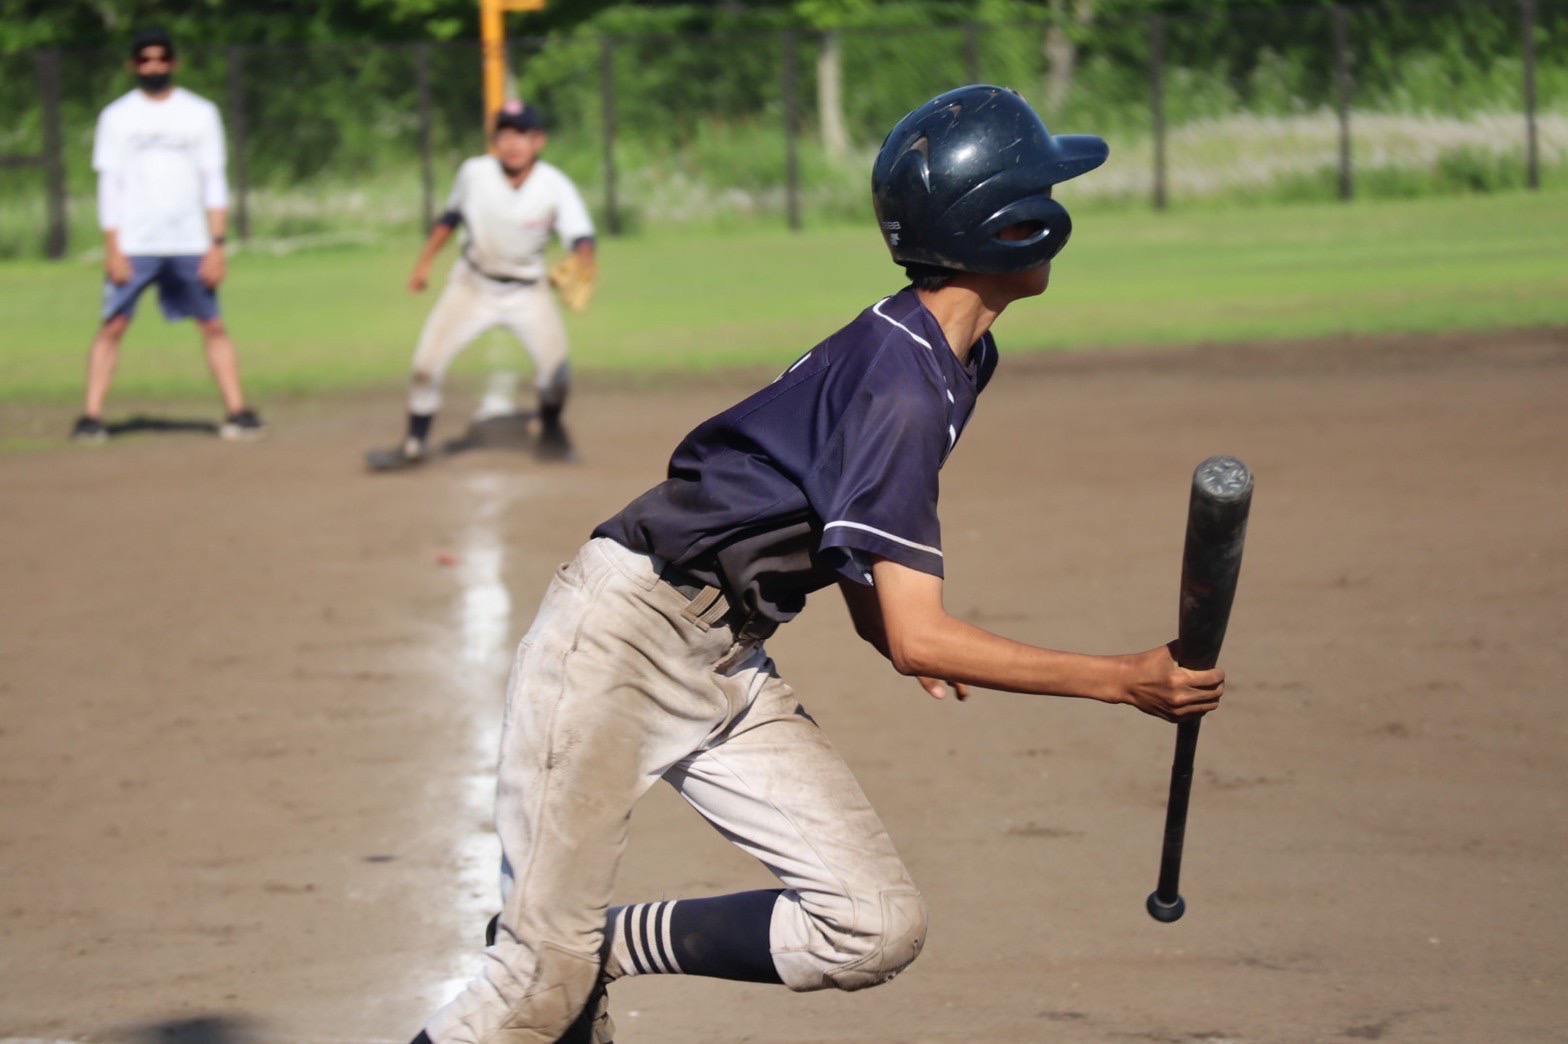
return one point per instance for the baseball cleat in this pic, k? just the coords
(410, 454)
(554, 444)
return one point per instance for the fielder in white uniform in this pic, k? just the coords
(508, 204)
(163, 206)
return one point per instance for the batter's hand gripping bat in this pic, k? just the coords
(1210, 564)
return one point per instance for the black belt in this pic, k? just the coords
(509, 280)
(704, 601)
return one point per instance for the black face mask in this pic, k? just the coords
(153, 83)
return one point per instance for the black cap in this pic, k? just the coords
(519, 116)
(152, 37)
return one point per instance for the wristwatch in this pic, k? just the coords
(219, 240)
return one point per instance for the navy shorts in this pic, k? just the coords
(181, 293)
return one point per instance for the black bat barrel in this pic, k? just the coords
(1211, 560)
(1210, 565)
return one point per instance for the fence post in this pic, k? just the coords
(791, 76)
(612, 208)
(52, 161)
(427, 178)
(1157, 104)
(972, 51)
(1532, 156)
(1342, 96)
(239, 141)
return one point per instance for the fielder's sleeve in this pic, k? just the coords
(882, 500)
(212, 159)
(572, 221)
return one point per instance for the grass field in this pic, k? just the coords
(333, 320)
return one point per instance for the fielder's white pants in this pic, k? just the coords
(614, 688)
(470, 305)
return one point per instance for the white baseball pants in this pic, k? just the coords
(470, 305)
(617, 685)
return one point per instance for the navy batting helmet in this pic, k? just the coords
(964, 166)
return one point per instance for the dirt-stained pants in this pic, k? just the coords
(614, 687)
(472, 304)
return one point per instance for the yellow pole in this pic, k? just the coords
(492, 47)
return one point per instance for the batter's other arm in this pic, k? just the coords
(923, 641)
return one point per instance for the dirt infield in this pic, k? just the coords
(250, 695)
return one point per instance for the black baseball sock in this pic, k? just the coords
(725, 937)
(419, 425)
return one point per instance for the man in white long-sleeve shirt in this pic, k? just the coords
(163, 207)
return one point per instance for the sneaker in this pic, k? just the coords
(89, 429)
(243, 426)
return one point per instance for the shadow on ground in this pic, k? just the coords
(203, 1029)
(143, 424)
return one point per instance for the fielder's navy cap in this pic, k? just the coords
(152, 36)
(519, 116)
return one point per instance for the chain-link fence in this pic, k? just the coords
(347, 143)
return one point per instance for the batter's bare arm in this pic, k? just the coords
(440, 232)
(922, 640)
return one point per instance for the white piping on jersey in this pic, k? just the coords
(952, 434)
(793, 367)
(877, 308)
(885, 535)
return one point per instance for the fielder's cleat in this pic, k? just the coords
(89, 430)
(554, 444)
(410, 454)
(242, 426)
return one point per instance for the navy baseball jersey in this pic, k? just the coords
(836, 461)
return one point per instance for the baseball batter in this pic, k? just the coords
(646, 660)
(507, 205)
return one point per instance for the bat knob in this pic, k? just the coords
(1165, 912)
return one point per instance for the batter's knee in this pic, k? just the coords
(885, 940)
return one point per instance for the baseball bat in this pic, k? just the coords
(1210, 565)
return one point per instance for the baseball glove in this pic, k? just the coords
(573, 279)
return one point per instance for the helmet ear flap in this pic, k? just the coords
(1027, 233)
